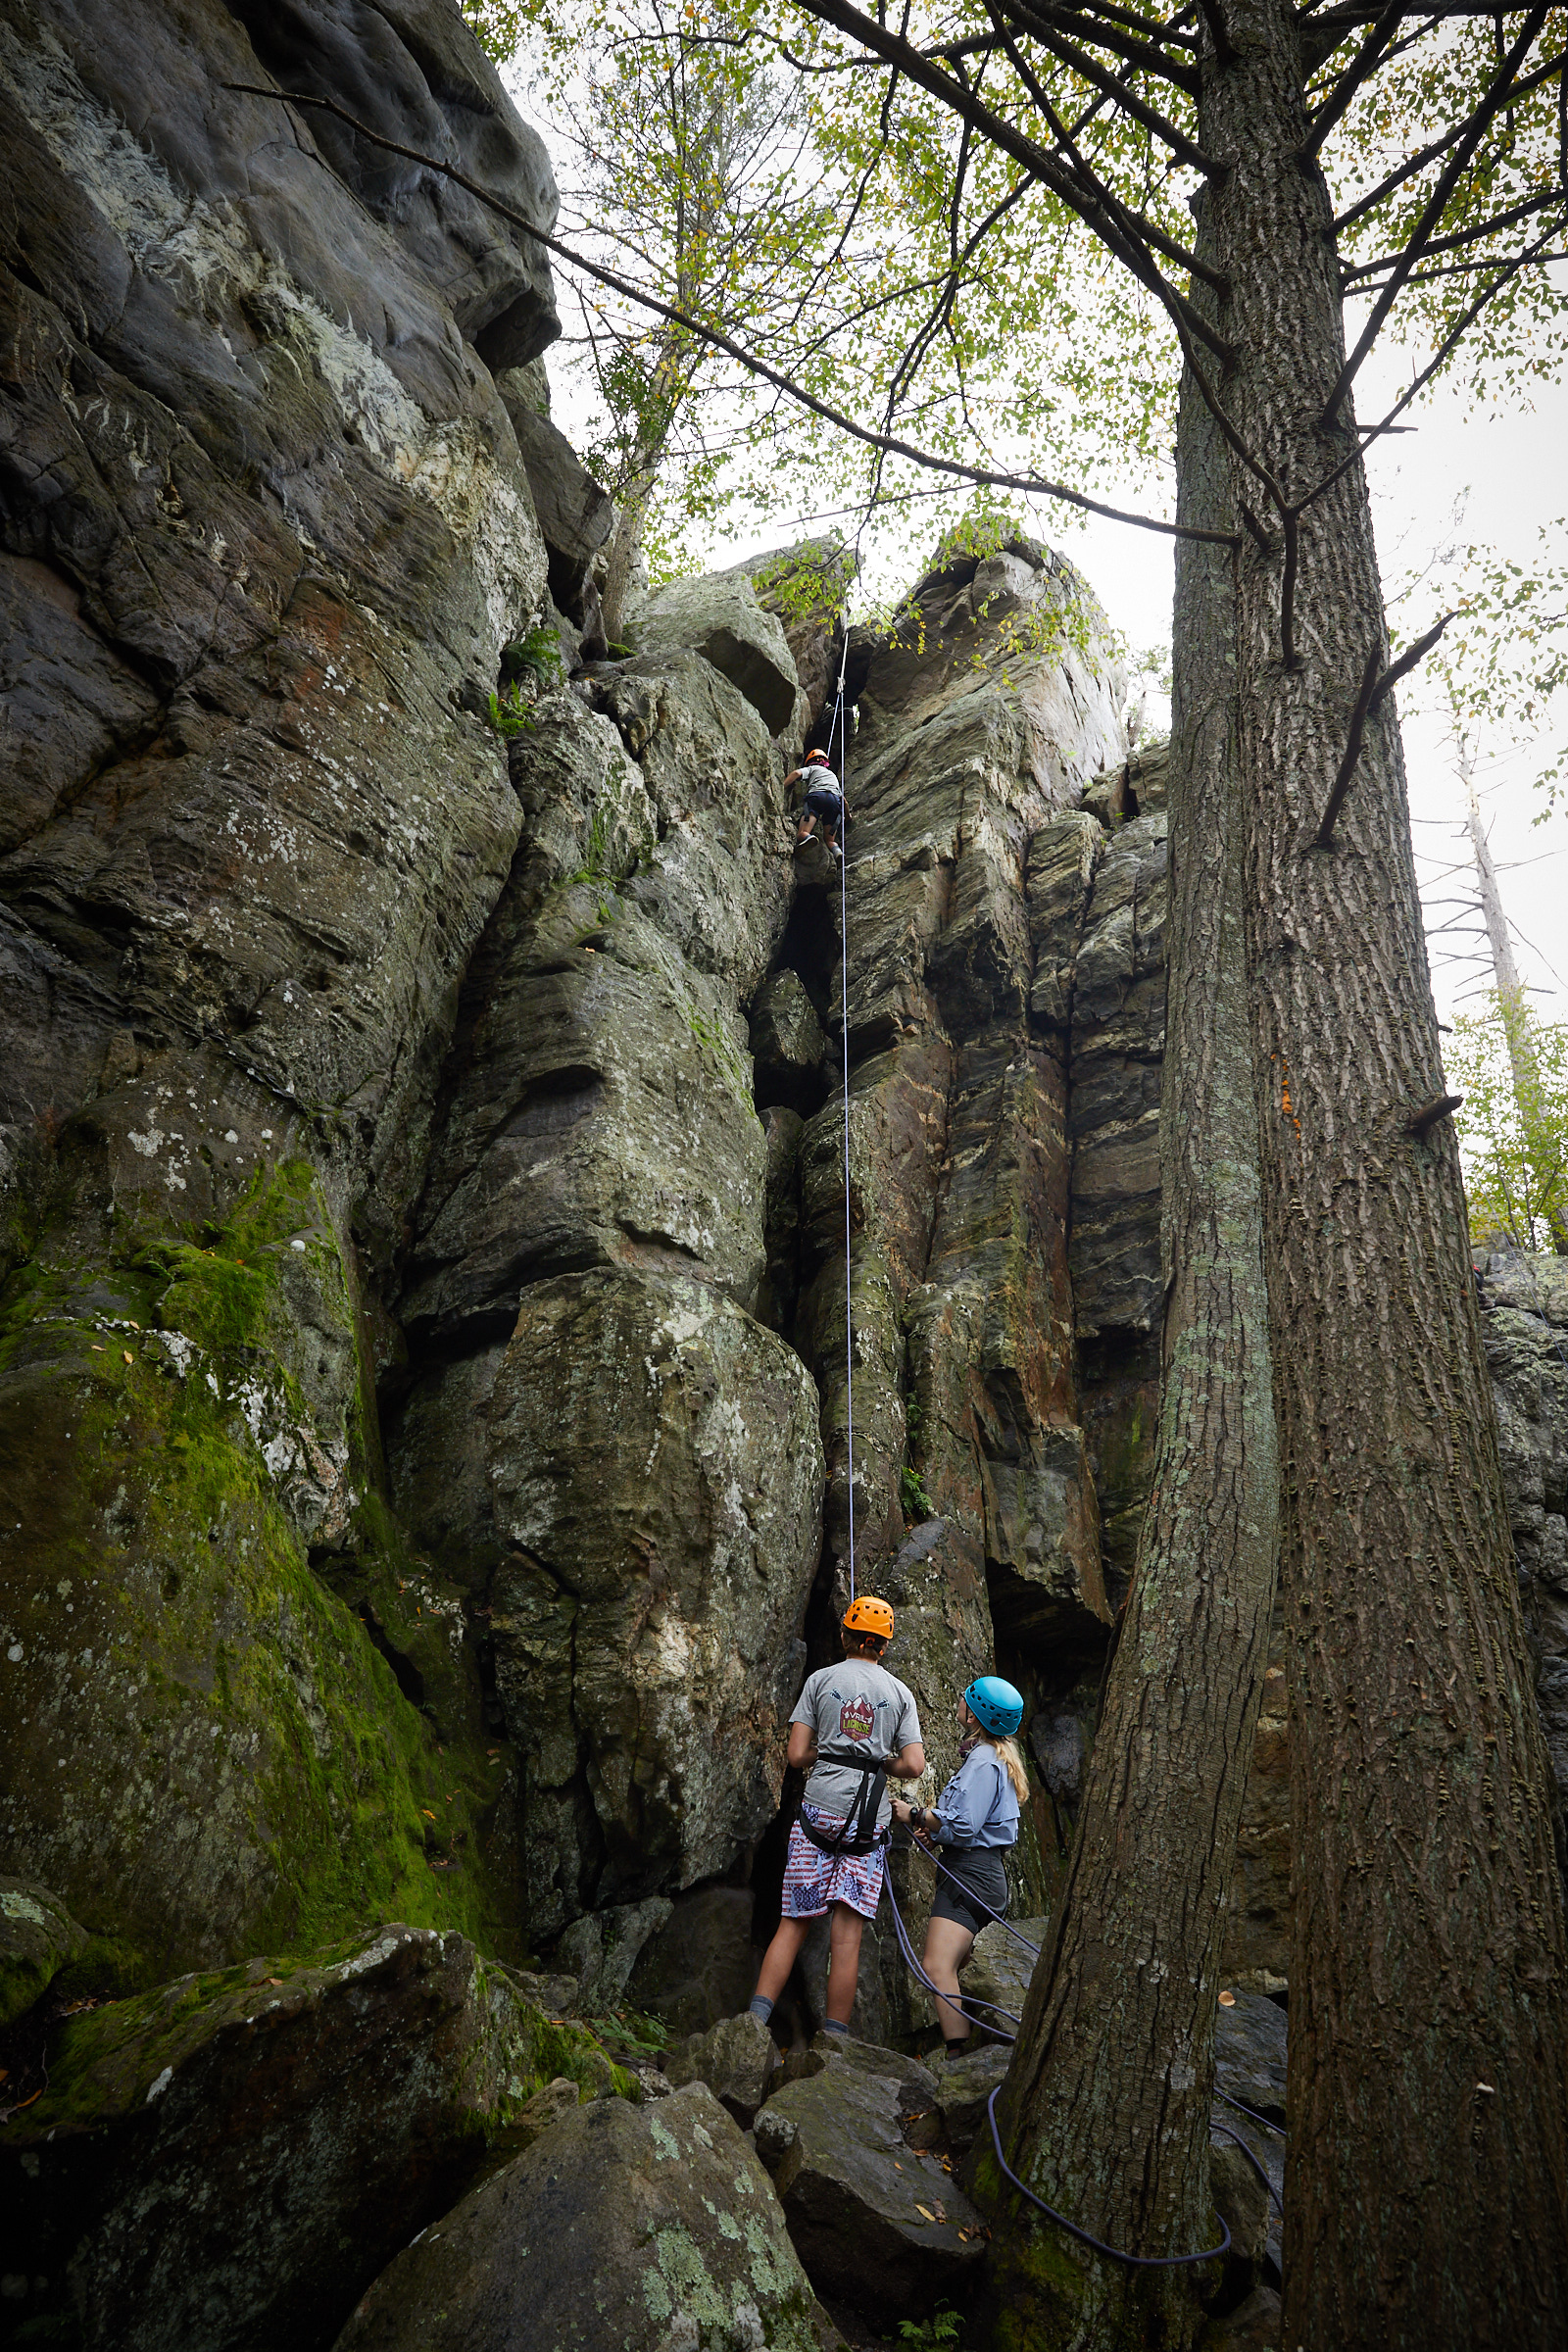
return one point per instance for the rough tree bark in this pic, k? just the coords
(1107, 2101)
(1427, 2182)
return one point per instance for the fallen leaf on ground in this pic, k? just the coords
(428, 1815)
(125, 1352)
(1227, 2000)
(926, 2210)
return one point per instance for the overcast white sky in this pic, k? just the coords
(1516, 470)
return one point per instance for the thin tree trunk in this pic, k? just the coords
(1515, 1012)
(1107, 2100)
(1427, 2179)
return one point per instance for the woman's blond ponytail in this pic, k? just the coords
(1011, 1763)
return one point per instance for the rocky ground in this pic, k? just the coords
(423, 1397)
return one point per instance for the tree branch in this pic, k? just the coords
(1491, 105)
(1117, 227)
(1352, 750)
(1430, 154)
(1451, 341)
(927, 75)
(1364, 63)
(1033, 484)
(1460, 239)
(1373, 691)
(1218, 31)
(1044, 24)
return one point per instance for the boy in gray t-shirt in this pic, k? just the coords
(853, 1709)
(847, 1716)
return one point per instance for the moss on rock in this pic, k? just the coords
(205, 1750)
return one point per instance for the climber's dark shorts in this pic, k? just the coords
(824, 803)
(981, 1868)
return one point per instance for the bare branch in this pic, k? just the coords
(1366, 61)
(1352, 749)
(1218, 30)
(1460, 239)
(1045, 23)
(1441, 1106)
(1481, 118)
(929, 76)
(1374, 688)
(1430, 154)
(1033, 484)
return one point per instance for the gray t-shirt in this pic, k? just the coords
(862, 1708)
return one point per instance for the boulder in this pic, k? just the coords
(720, 617)
(878, 2224)
(1000, 1968)
(699, 1967)
(787, 1044)
(37, 1938)
(736, 2059)
(1255, 2326)
(644, 2229)
(1243, 2202)
(655, 1464)
(224, 2163)
(964, 2086)
(602, 1949)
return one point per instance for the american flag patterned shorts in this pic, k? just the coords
(814, 1880)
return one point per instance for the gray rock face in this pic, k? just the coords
(265, 529)
(699, 1968)
(1118, 1034)
(227, 2163)
(1525, 1321)
(721, 618)
(787, 1044)
(306, 493)
(736, 2059)
(38, 1937)
(656, 1469)
(1000, 1967)
(877, 2222)
(1249, 2054)
(645, 2229)
(964, 2087)
(575, 516)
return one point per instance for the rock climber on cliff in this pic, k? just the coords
(969, 1827)
(824, 802)
(855, 1726)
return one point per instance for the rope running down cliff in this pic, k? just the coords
(837, 721)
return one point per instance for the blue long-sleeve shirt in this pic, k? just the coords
(978, 1806)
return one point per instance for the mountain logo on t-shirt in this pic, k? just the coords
(858, 1718)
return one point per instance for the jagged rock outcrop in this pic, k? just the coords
(264, 530)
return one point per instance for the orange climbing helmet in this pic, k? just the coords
(816, 754)
(868, 1615)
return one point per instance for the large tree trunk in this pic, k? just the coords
(1428, 2156)
(1107, 2101)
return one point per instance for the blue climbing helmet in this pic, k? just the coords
(995, 1705)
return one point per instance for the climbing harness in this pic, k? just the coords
(856, 1832)
(837, 721)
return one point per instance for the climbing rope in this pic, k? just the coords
(837, 723)
(918, 1845)
(1143, 2262)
